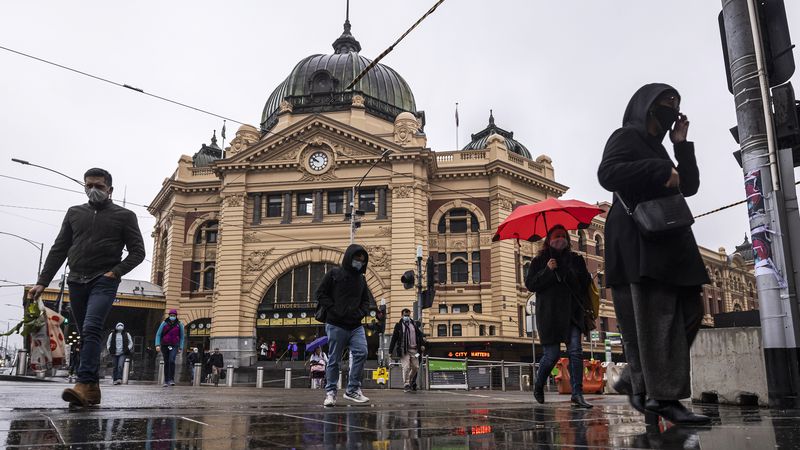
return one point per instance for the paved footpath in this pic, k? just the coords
(32, 415)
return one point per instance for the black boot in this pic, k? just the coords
(637, 401)
(675, 412)
(538, 393)
(577, 400)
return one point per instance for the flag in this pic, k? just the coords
(456, 114)
(223, 130)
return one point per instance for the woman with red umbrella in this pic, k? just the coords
(560, 280)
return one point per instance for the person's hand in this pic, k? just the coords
(680, 130)
(674, 179)
(35, 292)
(110, 275)
(552, 264)
(422, 348)
(158, 348)
(180, 350)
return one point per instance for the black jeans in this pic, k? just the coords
(91, 302)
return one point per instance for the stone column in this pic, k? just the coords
(504, 269)
(232, 329)
(287, 208)
(173, 260)
(256, 208)
(317, 206)
(381, 203)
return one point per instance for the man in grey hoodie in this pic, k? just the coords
(119, 345)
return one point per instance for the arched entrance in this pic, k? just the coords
(198, 334)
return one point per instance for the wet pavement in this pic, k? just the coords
(32, 415)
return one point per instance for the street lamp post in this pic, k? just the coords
(39, 246)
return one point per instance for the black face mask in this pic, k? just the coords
(665, 116)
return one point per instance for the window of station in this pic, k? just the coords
(274, 205)
(207, 233)
(459, 220)
(478, 308)
(441, 330)
(456, 330)
(442, 309)
(460, 309)
(366, 200)
(336, 202)
(305, 204)
(298, 285)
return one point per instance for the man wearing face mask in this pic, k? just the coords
(91, 240)
(169, 341)
(407, 342)
(119, 345)
(560, 280)
(656, 283)
(343, 297)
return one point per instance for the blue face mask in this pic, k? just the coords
(406, 318)
(358, 265)
(172, 318)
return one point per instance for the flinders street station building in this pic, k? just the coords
(244, 234)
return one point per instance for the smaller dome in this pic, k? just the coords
(480, 139)
(207, 153)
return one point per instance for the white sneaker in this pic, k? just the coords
(356, 396)
(330, 399)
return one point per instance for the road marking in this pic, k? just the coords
(323, 421)
(195, 421)
(58, 432)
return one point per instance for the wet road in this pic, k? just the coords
(145, 416)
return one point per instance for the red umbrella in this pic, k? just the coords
(531, 222)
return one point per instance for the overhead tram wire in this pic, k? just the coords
(722, 208)
(275, 133)
(391, 47)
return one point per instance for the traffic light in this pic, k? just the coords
(430, 276)
(380, 316)
(777, 43)
(407, 279)
(787, 125)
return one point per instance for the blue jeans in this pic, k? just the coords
(169, 361)
(338, 340)
(90, 303)
(575, 352)
(119, 365)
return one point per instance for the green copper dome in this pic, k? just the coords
(317, 84)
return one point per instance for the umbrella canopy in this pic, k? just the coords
(531, 222)
(318, 342)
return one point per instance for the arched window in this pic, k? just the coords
(598, 246)
(456, 330)
(207, 233)
(297, 285)
(581, 241)
(322, 82)
(458, 267)
(718, 279)
(441, 330)
(491, 330)
(459, 220)
(482, 330)
(203, 268)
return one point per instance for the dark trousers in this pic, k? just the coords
(659, 323)
(91, 302)
(169, 361)
(575, 353)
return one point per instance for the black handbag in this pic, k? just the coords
(321, 313)
(660, 217)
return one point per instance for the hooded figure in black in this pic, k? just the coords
(343, 299)
(560, 280)
(656, 283)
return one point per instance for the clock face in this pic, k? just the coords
(318, 161)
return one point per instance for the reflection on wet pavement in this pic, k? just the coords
(430, 427)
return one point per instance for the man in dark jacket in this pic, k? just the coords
(407, 342)
(343, 298)
(91, 239)
(216, 363)
(656, 283)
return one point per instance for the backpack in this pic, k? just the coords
(594, 299)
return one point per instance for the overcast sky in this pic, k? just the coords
(557, 74)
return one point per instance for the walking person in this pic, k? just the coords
(91, 240)
(273, 350)
(656, 283)
(217, 363)
(262, 351)
(293, 350)
(317, 364)
(560, 280)
(119, 345)
(406, 343)
(169, 341)
(192, 359)
(342, 303)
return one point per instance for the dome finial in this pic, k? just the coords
(214, 138)
(346, 43)
(491, 118)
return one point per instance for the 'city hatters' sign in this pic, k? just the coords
(470, 354)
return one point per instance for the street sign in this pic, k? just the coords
(608, 350)
(595, 336)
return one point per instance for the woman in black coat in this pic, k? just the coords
(656, 283)
(560, 280)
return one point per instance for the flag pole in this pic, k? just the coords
(457, 126)
(223, 138)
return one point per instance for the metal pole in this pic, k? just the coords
(466, 373)
(287, 378)
(229, 375)
(161, 372)
(353, 217)
(198, 374)
(418, 309)
(41, 252)
(503, 375)
(754, 118)
(126, 369)
(260, 377)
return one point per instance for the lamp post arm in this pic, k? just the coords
(27, 163)
(39, 246)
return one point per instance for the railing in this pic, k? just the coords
(202, 171)
(516, 159)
